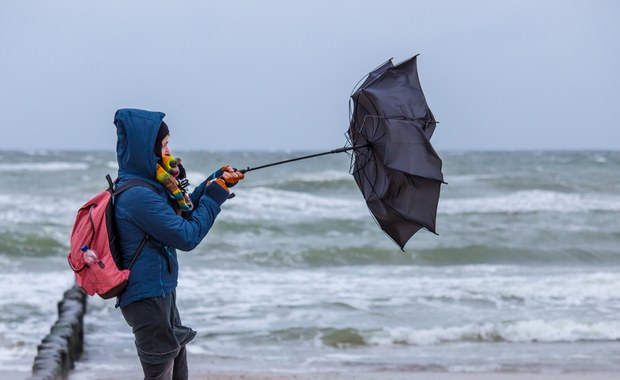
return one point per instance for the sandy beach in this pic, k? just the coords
(412, 375)
(211, 371)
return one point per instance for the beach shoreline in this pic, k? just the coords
(201, 373)
(392, 375)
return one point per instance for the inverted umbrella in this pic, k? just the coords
(392, 160)
(395, 166)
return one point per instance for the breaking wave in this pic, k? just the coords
(267, 203)
(43, 166)
(531, 201)
(524, 331)
(527, 331)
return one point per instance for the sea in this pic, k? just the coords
(523, 274)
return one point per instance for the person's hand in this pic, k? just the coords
(231, 176)
(227, 173)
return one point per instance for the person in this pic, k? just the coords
(157, 224)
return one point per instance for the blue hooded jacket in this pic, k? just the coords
(139, 211)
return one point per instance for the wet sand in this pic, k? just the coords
(207, 375)
(208, 370)
(410, 375)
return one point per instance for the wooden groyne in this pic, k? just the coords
(64, 344)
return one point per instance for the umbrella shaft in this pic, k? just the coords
(340, 150)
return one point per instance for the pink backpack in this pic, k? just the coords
(94, 230)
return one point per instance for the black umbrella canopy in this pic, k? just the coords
(394, 163)
(393, 92)
(376, 73)
(392, 159)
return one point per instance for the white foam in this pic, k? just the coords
(501, 289)
(508, 295)
(322, 176)
(12, 358)
(112, 165)
(34, 287)
(469, 178)
(31, 210)
(598, 158)
(266, 204)
(507, 291)
(35, 295)
(43, 166)
(525, 331)
(474, 368)
(581, 289)
(531, 201)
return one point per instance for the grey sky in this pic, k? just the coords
(515, 74)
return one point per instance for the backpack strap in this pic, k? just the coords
(110, 183)
(135, 255)
(127, 185)
(133, 183)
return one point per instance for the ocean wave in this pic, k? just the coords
(36, 243)
(524, 331)
(265, 203)
(507, 291)
(598, 158)
(310, 180)
(372, 291)
(288, 255)
(58, 166)
(334, 242)
(27, 310)
(316, 176)
(531, 201)
(493, 252)
(462, 179)
(33, 210)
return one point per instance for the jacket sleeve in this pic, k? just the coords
(152, 213)
(198, 192)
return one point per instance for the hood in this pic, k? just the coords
(136, 132)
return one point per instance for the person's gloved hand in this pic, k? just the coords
(229, 174)
(232, 176)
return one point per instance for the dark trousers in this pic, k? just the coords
(173, 369)
(160, 337)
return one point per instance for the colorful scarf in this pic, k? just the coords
(167, 176)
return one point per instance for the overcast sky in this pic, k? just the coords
(514, 74)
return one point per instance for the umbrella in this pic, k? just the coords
(395, 165)
(392, 160)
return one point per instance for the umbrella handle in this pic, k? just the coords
(339, 150)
